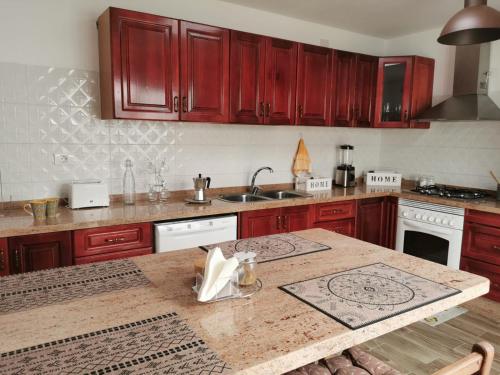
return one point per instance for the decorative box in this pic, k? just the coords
(383, 178)
(314, 184)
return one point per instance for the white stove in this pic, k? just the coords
(430, 231)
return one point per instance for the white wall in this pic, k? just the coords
(460, 153)
(63, 33)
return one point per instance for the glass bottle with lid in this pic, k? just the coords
(128, 184)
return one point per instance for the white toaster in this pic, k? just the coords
(88, 193)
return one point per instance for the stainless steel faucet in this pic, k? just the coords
(255, 189)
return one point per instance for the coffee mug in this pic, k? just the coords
(38, 209)
(52, 205)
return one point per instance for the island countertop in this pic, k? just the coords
(269, 333)
(18, 223)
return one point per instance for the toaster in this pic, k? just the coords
(88, 193)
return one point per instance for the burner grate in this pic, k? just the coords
(449, 192)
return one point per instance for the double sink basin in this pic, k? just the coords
(263, 196)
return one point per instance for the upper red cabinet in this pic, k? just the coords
(204, 73)
(139, 65)
(263, 79)
(157, 68)
(404, 90)
(281, 79)
(314, 85)
(248, 77)
(355, 77)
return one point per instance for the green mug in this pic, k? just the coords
(38, 209)
(52, 205)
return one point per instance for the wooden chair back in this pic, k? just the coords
(478, 362)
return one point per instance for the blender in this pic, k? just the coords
(345, 173)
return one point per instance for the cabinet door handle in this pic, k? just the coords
(184, 104)
(2, 260)
(176, 104)
(405, 116)
(268, 109)
(285, 222)
(300, 110)
(278, 222)
(261, 109)
(496, 247)
(17, 260)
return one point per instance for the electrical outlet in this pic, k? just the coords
(61, 159)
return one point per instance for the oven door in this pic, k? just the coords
(428, 241)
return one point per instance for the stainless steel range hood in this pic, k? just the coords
(470, 100)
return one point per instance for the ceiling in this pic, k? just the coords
(381, 18)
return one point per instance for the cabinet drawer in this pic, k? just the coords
(490, 271)
(486, 218)
(335, 211)
(481, 242)
(104, 240)
(345, 227)
(112, 256)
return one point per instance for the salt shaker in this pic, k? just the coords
(247, 269)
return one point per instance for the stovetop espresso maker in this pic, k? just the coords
(200, 185)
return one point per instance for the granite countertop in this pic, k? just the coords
(256, 335)
(17, 222)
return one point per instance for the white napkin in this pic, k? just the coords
(218, 273)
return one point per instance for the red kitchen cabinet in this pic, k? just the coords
(248, 77)
(204, 52)
(314, 85)
(39, 251)
(263, 79)
(391, 222)
(355, 77)
(139, 66)
(370, 220)
(404, 90)
(112, 242)
(281, 81)
(260, 222)
(481, 248)
(275, 220)
(421, 92)
(345, 227)
(4, 257)
(490, 271)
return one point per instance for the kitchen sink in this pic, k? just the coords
(263, 196)
(242, 198)
(280, 194)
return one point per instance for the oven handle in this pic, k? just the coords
(442, 232)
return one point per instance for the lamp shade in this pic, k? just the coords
(476, 23)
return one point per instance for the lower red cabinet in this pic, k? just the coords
(481, 248)
(4, 257)
(370, 225)
(345, 227)
(39, 251)
(113, 242)
(274, 220)
(490, 271)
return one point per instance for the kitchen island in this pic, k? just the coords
(269, 333)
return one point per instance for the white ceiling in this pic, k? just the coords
(381, 18)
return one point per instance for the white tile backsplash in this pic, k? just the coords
(47, 110)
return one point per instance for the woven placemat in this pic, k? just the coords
(273, 247)
(369, 294)
(164, 344)
(35, 289)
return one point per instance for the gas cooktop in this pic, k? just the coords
(449, 192)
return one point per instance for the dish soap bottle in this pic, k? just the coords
(128, 184)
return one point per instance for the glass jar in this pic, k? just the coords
(128, 183)
(247, 269)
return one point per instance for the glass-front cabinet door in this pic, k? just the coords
(392, 107)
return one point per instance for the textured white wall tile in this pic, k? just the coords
(14, 123)
(13, 83)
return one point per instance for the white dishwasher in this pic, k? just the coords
(185, 234)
